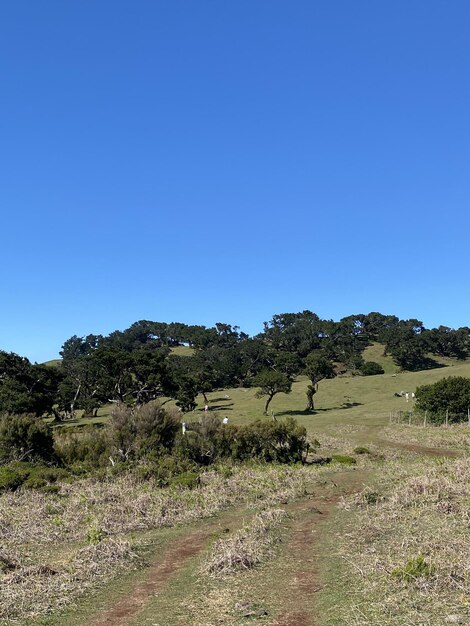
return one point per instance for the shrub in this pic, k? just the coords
(206, 442)
(186, 480)
(283, 442)
(84, 448)
(25, 437)
(17, 475)
(371, 368)
(415, 568)
(163, 470)
(95, 534)
(45, 477)
(361, 450)
(12, 477)
(137, 432)
(450, 394)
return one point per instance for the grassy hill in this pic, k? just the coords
(53, 363)
(342, 400)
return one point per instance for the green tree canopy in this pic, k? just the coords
(271, 383)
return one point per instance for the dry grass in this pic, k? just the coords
(46, 558)
(246, 548)
(33, 589)
(455, 436)
(407, 548)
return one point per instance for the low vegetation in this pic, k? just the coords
(86, 533)
(403, 547)
(246, 548)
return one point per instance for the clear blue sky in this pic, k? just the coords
(205, 161)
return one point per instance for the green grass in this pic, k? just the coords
(375, 352)
(183, 351)
(53, 363)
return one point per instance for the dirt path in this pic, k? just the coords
(309, 515)
(302, 582)
(157, 575)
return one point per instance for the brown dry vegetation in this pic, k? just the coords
(245, 548)
(55, 547)
(406, 550)
(456, 436)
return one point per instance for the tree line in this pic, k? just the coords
(138, 365)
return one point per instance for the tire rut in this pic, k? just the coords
(157, 576)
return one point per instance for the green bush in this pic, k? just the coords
(134, 433)
(282, 442)
(163, 470)
(361, 450)
(28, 476)
(205, 443)
(451, 394)
(371, 368)
(95, 534)
(87, 447)
(25, 437)
(41, 477)
(186, 480)
(12, 477)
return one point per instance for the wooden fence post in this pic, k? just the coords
(425, 418)
(447, 418)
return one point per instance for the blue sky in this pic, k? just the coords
(225, 161)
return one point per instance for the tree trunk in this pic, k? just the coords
(267, 404)
(205, 397)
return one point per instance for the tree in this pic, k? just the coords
(271, 383)
(26, 388)
(317, 367)
(186, 394)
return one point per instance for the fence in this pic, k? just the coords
(426, 418)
